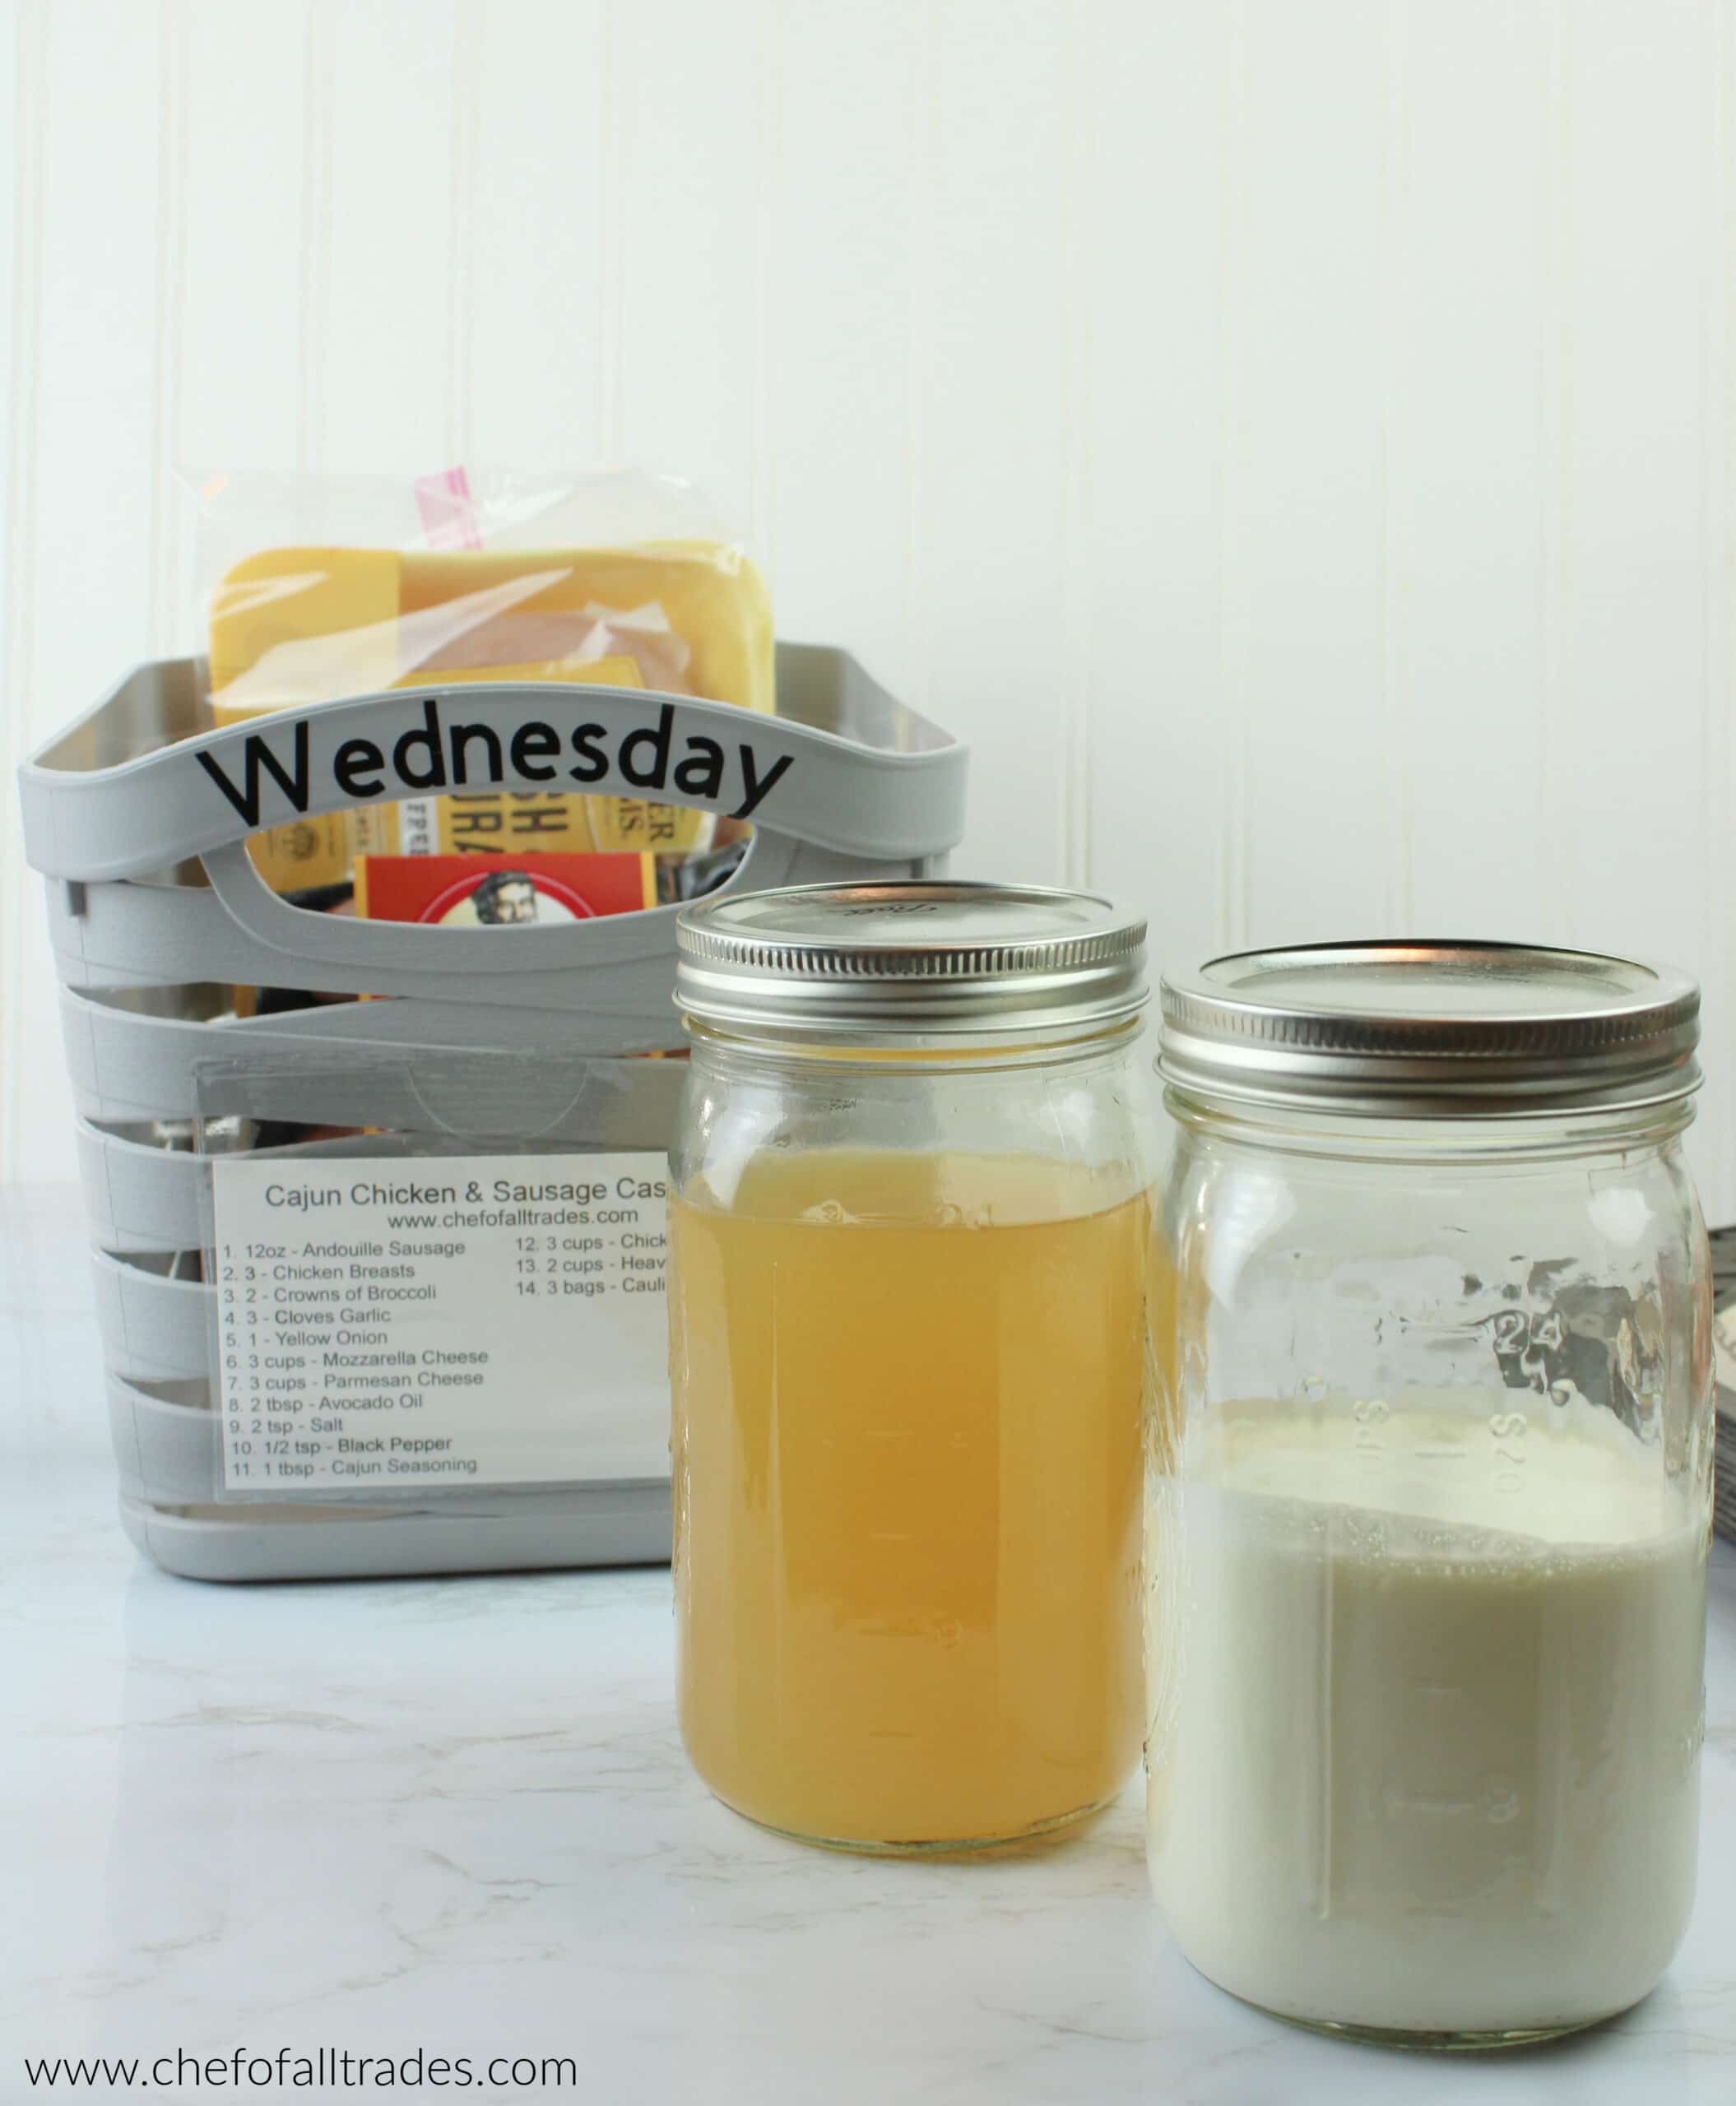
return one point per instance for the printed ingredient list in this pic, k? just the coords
(390, 1324)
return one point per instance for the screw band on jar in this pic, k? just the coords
(941, 961)
(1431, 1030)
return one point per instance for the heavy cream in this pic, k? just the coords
(1426, 1691)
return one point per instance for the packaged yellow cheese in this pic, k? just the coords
(484, 586)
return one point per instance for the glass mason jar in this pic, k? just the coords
(910, 1231)
(1429, 1490)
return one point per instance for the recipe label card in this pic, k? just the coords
(396, 1324)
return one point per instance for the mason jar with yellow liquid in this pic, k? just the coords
(910, 1216)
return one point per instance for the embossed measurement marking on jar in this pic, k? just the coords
(1370, 1415)
(1507, 1430)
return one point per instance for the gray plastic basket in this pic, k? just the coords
(137, 816)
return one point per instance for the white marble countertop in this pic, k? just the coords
(453, 1814)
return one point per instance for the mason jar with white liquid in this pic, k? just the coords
(1429, 1486)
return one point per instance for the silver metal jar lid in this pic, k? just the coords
(1432, 1030)
(911, 961)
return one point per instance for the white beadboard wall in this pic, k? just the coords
(1292, 443)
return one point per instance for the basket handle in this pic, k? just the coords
(86, 818)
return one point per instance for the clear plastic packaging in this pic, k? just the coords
(320, 587)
